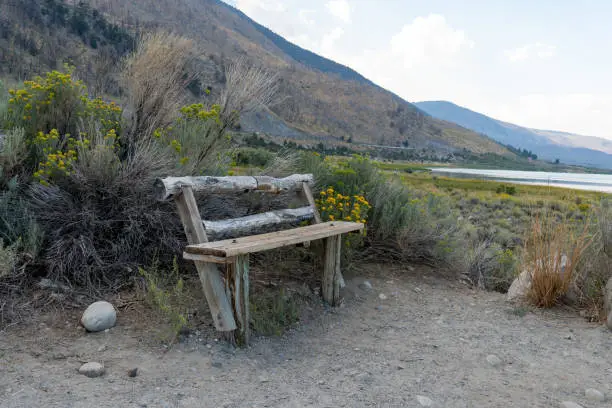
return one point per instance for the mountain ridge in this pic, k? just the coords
(321, 98)
(548, 145)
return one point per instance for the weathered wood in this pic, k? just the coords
(311, 201)
(257, 223)
(170, 186)
(237, 281)
(264, 242)
(210, 277)
(330, 284)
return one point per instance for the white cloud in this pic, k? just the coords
(340, 9)
(421, 61)
(429, 40)
(535, 50)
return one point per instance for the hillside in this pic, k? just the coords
(548, 145)
(321, 99)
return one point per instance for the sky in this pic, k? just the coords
(544, 64)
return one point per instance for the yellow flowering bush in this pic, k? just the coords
(52, 108)
(196, 135)
(335, 206)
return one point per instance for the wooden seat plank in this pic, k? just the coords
(262, 242)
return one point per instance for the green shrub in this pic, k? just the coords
(249, 156)
(402, 223)
(491, 267)
(8, 260)
(164, 292)
(18, 227)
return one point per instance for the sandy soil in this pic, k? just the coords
(429, 338)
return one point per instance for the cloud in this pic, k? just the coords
(340, 9)
(529, 51)
(423, 60)
(429, 40)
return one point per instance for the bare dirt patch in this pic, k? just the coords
(430, 337)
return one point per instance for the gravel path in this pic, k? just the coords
(431, 342)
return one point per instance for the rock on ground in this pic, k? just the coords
(594, 395)
(424, 401)
(494, 360)
(99, 316)
(92, 369)
(520, 287)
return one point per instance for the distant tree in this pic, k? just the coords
(557, 161)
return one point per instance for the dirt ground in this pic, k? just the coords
(429, 340)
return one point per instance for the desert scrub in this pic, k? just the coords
(403, 223)
(165, 293)
(198, 140)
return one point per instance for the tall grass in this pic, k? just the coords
(154, 78)
(552, 254)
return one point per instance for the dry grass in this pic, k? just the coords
(248, 87)
(553, 252)
(154, 78)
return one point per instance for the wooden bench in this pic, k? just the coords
(223, 262)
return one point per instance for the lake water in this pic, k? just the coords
(593, 182)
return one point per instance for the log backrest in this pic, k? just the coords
(185, 187)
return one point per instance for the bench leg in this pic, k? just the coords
(237, 282)
(332, 277)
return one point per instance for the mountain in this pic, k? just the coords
(321, 100)
(548, 145)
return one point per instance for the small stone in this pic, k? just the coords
(101, 349)
(92, 369)
(365, 286)
(570, 404)
(424, 401)
(216, 364)
(133, 372)
(382, 296)
(263, 379)
(209, 346)
(594, 395)
(494, 360)
(99, 316)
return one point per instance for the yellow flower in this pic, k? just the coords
(331, 218)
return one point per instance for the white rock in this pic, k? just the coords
(494, 360)
(382, 296)
(424, 401)
(92, 369)
(570, 404)
(99, 316)
(520, 287)
(594, 395)
(366, 286)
